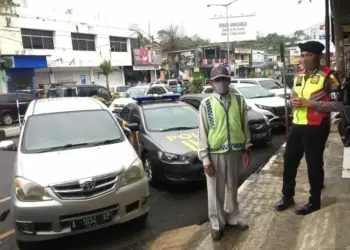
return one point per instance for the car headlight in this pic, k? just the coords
(28, 191)
(267, 120)
(262, 106)
(171, 157)
(134, 173)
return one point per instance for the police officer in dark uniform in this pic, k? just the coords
(312, 103)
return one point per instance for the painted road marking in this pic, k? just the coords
(5, 199)
(7, 234)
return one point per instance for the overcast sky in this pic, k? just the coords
(281, 16)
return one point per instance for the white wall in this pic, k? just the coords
(63, 25)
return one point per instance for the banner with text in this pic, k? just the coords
(239, 29)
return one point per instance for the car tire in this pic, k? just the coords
(149, 170)
(22, 245)
(7, 119)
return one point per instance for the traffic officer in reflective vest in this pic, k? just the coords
(223, 138)
(312, 104)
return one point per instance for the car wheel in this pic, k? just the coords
(148, 167)
(22, 245)
(7, 119)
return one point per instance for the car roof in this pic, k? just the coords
(63, 104)
(76, 86)
(256, 79)
(243, 85)
(160, 104)
(196, 96)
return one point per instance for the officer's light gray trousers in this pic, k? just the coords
(222, 189)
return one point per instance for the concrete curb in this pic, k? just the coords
(180, 238)
(9, 132)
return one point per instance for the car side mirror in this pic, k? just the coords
(8, 145)
(133, 127)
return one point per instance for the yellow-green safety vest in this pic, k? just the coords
(225, 126)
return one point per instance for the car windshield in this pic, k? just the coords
(69, 129)
(270, 84)
(134, 92)
(171, 118)
(255, 92)
(122, 88)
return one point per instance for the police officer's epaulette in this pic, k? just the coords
(326, 70)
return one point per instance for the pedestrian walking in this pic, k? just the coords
(312, 103)
(224, 138)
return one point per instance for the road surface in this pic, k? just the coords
(171, 207)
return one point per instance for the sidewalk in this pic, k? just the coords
(326, 229)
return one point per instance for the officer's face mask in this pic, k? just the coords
(310, 61)
(221, 86)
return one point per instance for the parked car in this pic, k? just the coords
(8, 106)
(168, 133)
(80, 91)
(119, 89)
(75, 171)
(265, 102)
(141, 90)
(172, 83)
(271, 85)
(259, 124)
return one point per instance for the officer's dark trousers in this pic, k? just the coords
(310, 140)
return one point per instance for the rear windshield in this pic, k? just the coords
(172, 83)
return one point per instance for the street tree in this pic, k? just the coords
(106, 69)
(170, 38)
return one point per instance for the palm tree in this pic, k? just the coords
(106, 69)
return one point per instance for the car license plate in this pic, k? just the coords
(259, 135)
(91, 221)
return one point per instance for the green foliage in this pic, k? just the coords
(106, 69)
(172, 39)
(252, 74)
(100, 99)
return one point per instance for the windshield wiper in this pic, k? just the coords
(105, 142)
(179, 128)
(67, 146)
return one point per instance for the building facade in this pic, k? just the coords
(47, 48)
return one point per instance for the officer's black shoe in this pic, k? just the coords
(307, 209)
(284, 204)
(216, 235)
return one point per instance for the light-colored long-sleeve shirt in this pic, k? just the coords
(203, 146)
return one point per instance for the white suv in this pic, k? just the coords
(271, 85)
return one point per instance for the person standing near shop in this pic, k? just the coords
(312, 103)
(223, 138)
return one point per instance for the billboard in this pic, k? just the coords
(239, 29)
(258, 58)
(145, 57)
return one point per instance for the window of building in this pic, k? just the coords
(118, 44)
(37, 39)
(83, 42)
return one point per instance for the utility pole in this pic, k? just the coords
(151, 38)
(338, 36)
(227, 26)
(328, 35)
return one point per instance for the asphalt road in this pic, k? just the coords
(171, 207)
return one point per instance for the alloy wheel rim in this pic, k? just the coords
(7, 119)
